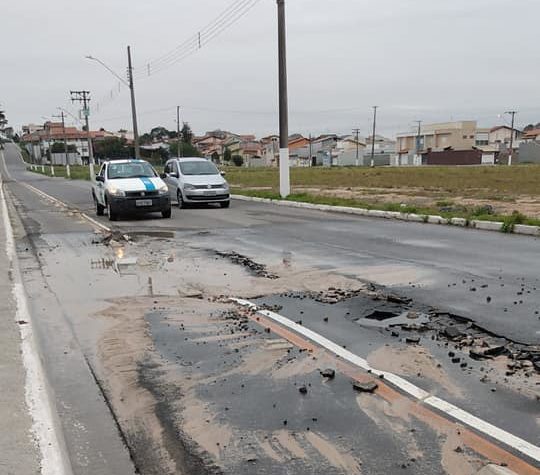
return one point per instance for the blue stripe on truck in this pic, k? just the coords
(148, 184)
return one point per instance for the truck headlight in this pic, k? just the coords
(116, 191)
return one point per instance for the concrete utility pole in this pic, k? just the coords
(513, 114)
(133, 108)
(284, 171)
(373, 136)
(357, 133)
(63, 116)
(84, 97)
(418, 135)
(178, 130)
(310, 151)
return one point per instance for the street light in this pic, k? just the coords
(129, 84)
(284, 171)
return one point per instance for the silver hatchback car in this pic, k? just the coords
(195, 180)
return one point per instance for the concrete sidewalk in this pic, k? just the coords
(18, 451)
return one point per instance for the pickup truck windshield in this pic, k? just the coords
(130, 170)
(198, 168)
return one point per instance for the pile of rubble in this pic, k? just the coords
(255, 268)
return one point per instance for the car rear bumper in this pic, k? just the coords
(129, 205)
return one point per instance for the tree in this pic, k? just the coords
(3, 120)
(58, 147)
(227, 157)
(186, 150)
(238, 160)
(159, 133)
(111, 148)
(187, 134)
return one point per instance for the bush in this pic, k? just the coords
(237, 160)
(510, 221)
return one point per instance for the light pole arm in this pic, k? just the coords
(117, 76)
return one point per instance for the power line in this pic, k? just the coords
(189, 47)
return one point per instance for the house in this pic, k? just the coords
(501, 136)
(435, 137)
(384, 151)
(39, 142)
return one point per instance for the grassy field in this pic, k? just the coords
(516, 180)
(78, 172)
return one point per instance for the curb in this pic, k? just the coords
(411, 217)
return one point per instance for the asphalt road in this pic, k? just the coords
(450, 268)
(153, 372)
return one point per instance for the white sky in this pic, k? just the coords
(433, 60)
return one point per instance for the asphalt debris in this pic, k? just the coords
(368, 387)
(259, 270)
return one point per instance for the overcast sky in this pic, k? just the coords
(430, 60)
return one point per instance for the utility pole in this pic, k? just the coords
(178, 130)
(84, 97)
(513, 114)
(418, 135)
(357, 133)
(373, 136)
(133, 109)
(310, 151)
(284, 171)
(63, 116)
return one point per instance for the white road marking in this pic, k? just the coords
(64, 205)
(38, 401)
(476, 423)
(91, 220)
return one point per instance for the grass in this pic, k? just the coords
(500, 181)
(78, 172)
(474, 213)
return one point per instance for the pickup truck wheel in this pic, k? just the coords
(100, 209)
(166, 213)
(113, 216)
(180, 200)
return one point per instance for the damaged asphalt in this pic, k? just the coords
(195, 385)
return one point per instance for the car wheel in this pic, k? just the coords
(180, 199)
(167, 213)
(113, 215)
(100, 209)
(225, 204)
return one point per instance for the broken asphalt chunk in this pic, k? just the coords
(368, 387)
(328, 373)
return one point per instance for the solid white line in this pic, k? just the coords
(40, 406)
(480, 425)
(64, 205)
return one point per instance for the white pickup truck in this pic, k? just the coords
(130, 187)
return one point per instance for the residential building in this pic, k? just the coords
(39, 142)
(384, 151)
(529, 148)
(435, 137)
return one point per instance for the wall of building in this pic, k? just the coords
(453, 157)
(529, 152)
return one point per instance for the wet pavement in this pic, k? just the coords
(156, 371)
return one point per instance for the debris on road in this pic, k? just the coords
(328, 373)
(255, 268)
(368, 387)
